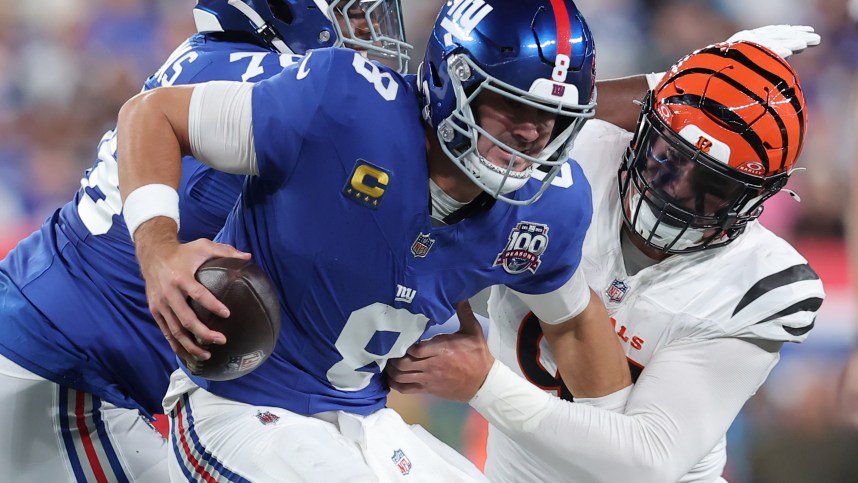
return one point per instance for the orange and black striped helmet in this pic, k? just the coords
(717, 136)
(744, 96)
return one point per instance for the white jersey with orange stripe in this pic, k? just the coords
(670, 316)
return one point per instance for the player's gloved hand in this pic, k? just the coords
(450, 366)
(784, 40)
(168, 268)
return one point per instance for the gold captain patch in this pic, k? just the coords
(367, 184)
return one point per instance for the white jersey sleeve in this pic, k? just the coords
(220, 126)
(599, 149)
(661, 436)
(759, 287)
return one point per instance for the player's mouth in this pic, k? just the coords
(500, 165)
(502, 158)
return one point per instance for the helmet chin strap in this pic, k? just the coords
(494, 182)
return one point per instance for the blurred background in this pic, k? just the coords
(66, 67)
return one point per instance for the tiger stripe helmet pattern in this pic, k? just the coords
(718, 136)
(744, 95)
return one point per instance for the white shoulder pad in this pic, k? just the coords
(780, 292)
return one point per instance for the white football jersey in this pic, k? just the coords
(757, 287)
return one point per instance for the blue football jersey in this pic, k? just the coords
(79, 270)
(339, 218)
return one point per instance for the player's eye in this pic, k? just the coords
(660, 158)
(674, 156)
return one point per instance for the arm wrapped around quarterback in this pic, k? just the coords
(566, 302)
(678, 410)
(619, 99)
(581, 337)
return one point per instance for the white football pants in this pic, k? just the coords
(50, 433)
(216, 439)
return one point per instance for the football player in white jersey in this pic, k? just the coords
(701, 295)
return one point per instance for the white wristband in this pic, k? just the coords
(653, 79)
(150, 201)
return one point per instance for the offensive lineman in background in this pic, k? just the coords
(81, 360)
(701, 295)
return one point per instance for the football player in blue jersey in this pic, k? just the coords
(84, 366)
(370, 202)
(372, 231)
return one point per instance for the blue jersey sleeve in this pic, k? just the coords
(569, 212)
(207, 195)
(328, 98)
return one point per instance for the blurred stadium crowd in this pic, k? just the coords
(66, 67)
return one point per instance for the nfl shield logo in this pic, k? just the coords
(401, 461)
(617, 291)
(421, 246)
(267, 417)
(244, 362)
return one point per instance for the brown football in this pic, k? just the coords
(252, 328)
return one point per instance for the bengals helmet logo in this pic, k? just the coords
(704, 144)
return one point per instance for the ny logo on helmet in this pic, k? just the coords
(464, 17)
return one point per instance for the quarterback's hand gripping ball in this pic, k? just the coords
(253, 326)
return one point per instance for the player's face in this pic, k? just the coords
(676, 201)
(681, 180)
(354, 20)
(521, 127)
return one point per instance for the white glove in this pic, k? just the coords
(783, 40)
